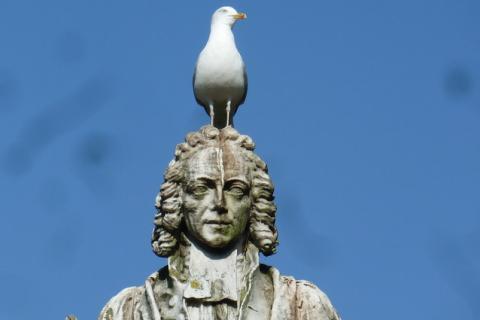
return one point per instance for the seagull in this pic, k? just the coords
(220, 80)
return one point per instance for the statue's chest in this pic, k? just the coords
(173, 306)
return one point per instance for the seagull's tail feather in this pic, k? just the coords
(220, 122)
(220, 118)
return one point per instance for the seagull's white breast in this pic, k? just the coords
(219, 74)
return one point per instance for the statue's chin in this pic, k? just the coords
(216, 241)
(215, 237)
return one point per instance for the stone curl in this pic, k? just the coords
(169, 217)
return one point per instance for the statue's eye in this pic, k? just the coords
(199, 190)
(237, 189)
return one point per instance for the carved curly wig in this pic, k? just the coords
(169, 217)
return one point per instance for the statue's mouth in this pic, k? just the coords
(218, 222)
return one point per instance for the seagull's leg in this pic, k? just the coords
(210, 105)
(228, 112)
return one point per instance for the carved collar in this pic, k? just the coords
(209, 278)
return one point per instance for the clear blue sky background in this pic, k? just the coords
(367, 112)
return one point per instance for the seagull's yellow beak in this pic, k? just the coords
(239, 16)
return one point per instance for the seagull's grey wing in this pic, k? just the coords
(245, 81)
(193, 86)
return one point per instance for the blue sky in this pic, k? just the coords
(367, 113)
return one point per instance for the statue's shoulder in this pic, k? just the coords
(132, 303)
(300, 299)
(122, 305)
(314, 301)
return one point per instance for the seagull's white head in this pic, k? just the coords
(227, 16)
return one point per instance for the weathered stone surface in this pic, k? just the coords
(215, 213)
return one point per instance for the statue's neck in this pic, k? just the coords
(208, 280)
(217, 271)
(204, 271)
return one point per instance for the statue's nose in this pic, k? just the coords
(220, 200)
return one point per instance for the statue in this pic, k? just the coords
(215, 212)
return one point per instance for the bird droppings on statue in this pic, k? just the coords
(220, 80)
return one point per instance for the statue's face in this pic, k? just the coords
(216, 196)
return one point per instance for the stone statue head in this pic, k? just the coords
(217, 191)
